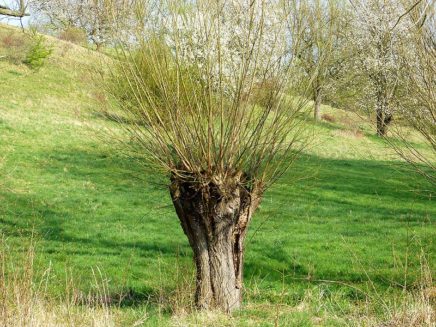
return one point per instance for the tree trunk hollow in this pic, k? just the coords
(215, 223)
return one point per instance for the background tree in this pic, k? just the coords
(190, 98)
(377, 39)
(97, 18)
(321, 40)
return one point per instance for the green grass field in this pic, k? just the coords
(346, 222)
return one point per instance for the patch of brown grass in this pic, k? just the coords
(12, 40)
(329, 118)
(13, 46)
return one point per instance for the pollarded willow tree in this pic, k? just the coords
(190, 88)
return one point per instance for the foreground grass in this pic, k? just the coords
(26, 300)
(342, 233)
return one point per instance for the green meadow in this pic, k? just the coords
(344, 233)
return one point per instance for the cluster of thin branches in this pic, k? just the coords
(419, 112)
(191, 89)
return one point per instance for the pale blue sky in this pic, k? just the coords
(11, 20)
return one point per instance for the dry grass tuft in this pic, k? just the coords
(416, 307)
(13, 47)
(204, 319)
(181, 300)
(25, 301)
(12, 40)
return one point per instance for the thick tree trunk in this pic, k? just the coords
(383, 114)
(379, 120)
(383, 118)
(215, 220)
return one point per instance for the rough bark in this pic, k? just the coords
(215, 220)
(383, 114)
(383, 118)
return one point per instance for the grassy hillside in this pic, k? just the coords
(344, 225)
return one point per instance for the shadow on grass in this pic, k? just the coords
(124, 298)
(113, 117)
(376, 192)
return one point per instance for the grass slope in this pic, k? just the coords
(346, 213)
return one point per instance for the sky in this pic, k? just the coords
(11, 20)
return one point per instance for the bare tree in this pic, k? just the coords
(190, 100)
(320, 46)
(19, 12)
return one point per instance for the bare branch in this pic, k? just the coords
(21, 12)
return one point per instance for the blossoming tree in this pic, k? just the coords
(378, 39)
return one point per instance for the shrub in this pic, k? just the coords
(12, 41)
(328, 118)
(74, 35)
(13, 47)
(263, 94)
(38, 52)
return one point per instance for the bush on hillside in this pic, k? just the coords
(264, 94)
(13, 47)
(74, 35)
(329, 118)
(38, 52)
(12, 40)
